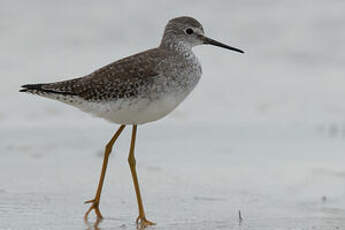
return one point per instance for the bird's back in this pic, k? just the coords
(116, 80)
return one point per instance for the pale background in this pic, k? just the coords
(263, 132)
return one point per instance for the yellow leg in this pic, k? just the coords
(95, 202)
(141, 221)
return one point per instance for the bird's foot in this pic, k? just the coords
(94, 206)
(142, 222)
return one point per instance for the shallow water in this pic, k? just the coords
(278, 177)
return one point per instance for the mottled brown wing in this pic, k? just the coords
(119, 79)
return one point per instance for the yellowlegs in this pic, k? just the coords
(135, 90)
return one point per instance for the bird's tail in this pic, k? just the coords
(42, 89)
(31, 88)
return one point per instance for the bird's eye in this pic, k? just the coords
(189, 31)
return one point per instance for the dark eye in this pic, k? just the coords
(189, 31)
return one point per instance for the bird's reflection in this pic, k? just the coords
(93, 226)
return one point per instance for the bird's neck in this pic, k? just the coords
(175, 45)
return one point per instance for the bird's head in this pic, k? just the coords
(186, 32)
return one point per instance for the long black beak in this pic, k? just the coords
(210, 41)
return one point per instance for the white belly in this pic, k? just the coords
(136, 111)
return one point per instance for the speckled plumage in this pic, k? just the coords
(130, 77)
(140, 88)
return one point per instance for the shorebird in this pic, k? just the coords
(135, 90)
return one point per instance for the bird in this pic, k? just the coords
(135, 90)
